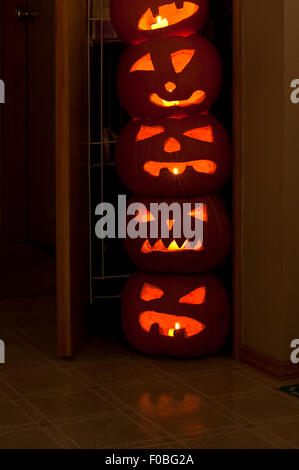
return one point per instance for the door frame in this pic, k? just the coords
(72, 201)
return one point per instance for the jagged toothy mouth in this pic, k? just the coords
(159, 247)
(170, 325)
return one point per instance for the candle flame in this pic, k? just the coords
(171, 332)
(175, 171)
(160, 23)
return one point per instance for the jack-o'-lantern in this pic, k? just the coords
(174, 157)
(160, 242)
(136, 21)
(169, 76)
(183, 316)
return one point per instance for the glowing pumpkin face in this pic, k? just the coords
(175, 315)
(174, 157)
(139, 20)
(170, 76)
(180, 255)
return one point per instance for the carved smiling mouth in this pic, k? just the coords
(172, 248)
(196, 98)
(169, 324)
(169, 15)
(200, 166)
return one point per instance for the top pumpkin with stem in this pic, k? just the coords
(136, 21)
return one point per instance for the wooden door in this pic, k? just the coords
(41, 124)
(13, 187)
(72, 218)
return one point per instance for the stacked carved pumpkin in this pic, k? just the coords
(173, 151)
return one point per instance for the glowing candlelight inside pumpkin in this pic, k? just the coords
(175, 171)
(171, 332)
(160, 23)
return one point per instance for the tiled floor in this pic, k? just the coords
(108, 396)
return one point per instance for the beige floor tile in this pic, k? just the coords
(11, 416)
(288, 431)
(93, 351)
(228, 382)
(59, 437)
(176, 411)
(27, 358)
(241, 439)
(115, 372)
(70, 405)
(11, 339)
(270, 380)
(176, 367)
(262, 407)
(106, 432)
(41, 381)
(27, 439)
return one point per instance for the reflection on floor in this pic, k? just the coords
(110, 397)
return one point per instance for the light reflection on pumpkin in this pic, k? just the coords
(169, 15)
(167, 324)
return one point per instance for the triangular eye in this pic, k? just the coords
(150, 292)
(180, 59)
(200, 213)
(145, 63)
(146, 132)
(196, 297)
(201, 133)
(144, 215)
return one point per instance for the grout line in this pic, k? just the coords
(36, 423)
(255, 431)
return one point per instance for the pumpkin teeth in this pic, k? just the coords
(169, 325)
(172, 248)
(200, 166)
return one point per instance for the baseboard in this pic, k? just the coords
(280, 369)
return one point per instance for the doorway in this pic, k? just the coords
(27, 194)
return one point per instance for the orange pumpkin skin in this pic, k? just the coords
(170, 76)
(166, 255)
(150, 319)
(174, 157)
(137, 21)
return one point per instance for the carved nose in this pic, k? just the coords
(172, 145)
(170, 87)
